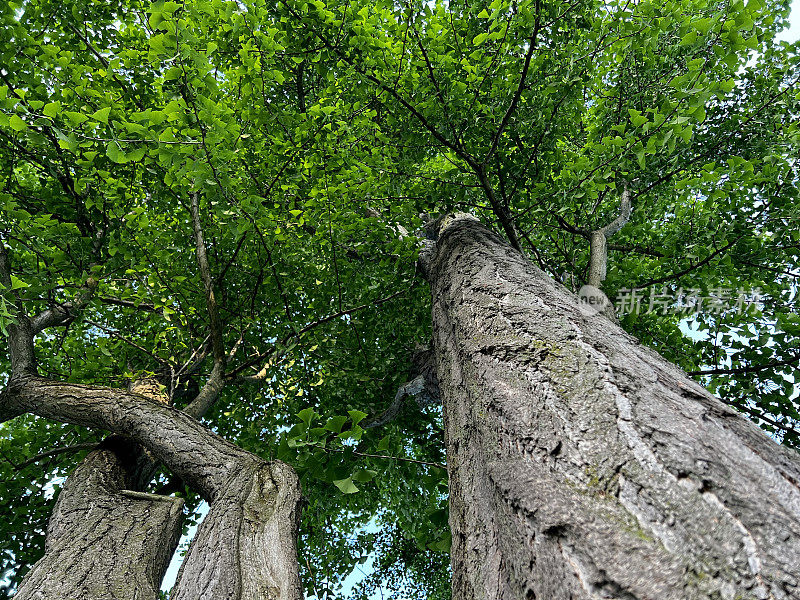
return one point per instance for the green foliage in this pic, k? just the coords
(315, 133)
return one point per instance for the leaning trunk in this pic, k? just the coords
(584, 465)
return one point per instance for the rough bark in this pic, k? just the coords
(245, 549)
(583, 465)
(246, 546)
(105, 540)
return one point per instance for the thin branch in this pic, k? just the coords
(391, 91)
(62, 314)
(747, 369)
(208, 394)
(690, 268)
(56, 452)
(208, 281)
(216, 380)
(623, 216)
(221, 276)
(143, 306)
(598, 245)
(761, 416)
(499, 210)
(102, 60)
(520, 87)
(261, 374)
(389, 457)
(20, 332)
(122, 338)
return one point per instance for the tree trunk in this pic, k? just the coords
(106, 542)
(582, 464)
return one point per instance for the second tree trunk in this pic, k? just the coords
(583, 465)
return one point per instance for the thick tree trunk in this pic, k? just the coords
(106, 542)
(583, 465)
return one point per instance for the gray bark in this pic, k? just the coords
(583, 465)
(105, 540)
(598, 241)
(245, 548)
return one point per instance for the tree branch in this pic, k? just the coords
(143, 306)
(208, 394)
(216, 381)
(201, 458)
(520, 87)
(692, 267)
(208, 281)
(598, 247)
(56, 452)
(262, 373)
(62, 314)
(747, 369)
(20, 332)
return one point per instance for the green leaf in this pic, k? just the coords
(689, 39)
(102, 114)
(346, 486)
(115, 152)
(306, 415)
(17, 283)
(52, 109)
(16, 123)
(137, 154)
(640, 158)
(75, 118)
(335, 424)
(356, 416)
(364, 475)
(700, 114)
(352, 434)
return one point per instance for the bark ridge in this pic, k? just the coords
(582, 464)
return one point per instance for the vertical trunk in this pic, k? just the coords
(583, 465)
(246, 546)
(105, 540)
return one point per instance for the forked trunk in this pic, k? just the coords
(107, 541)
(583, 465)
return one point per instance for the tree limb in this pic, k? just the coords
(262, 373)
(56, 452)
(520, 87)
(20, 333)
(213, 386)
(747, 369)
(62, 314)
(198, 456)
(598, 248)
(208, 281)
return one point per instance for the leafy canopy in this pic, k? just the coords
(315, 135)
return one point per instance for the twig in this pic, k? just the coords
(261, 374)
(389, 457)
(55, 452)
